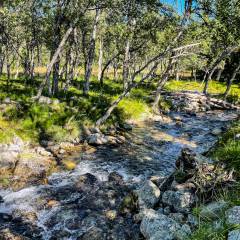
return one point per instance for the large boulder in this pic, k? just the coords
(157, 226)
(213, 210)
(148, 195)
(233, 215)
(180, 201)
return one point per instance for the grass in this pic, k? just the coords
(215, 88)
(63, 121)
(228, 148)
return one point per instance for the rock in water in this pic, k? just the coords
(148, 195)
(233, 215)
(157, 226)
(180, 201)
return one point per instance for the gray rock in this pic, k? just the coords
(41, 151)
(181, 201)
(97, 139)
(8, 160)
(156, 226)
(178, 217)
(162, 182)
(45, 100)
(166, 210)
(148, 195)
(213, 210)
(234, 235)
(233, 215)
(216, 131)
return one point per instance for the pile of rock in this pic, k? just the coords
(95, 137)
(166, 203)
(190, 102)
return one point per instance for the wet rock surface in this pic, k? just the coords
(81, 207)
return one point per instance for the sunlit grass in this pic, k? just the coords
(215, 87)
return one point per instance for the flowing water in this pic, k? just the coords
(74, 206)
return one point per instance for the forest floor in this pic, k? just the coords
(72, 110)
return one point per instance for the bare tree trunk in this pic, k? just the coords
(125, 74)
(91, 53)
(70, 76)
(177, 72)
(54, 59)
(2, 59)
(8, 67)
(17, 70)
(195, 75)
(229, 84)
(219, 74)
(32, 66)
(208, 79)
(100, 59)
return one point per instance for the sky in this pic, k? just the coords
(179, 4)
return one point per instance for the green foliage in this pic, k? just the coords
(63, 121)
(228, 149)
(207, 231)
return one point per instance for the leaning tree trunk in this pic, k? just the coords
(229, 84)
(161, 83)
(54, 59)
(101, 120)
(223, 55)
(91, 53)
